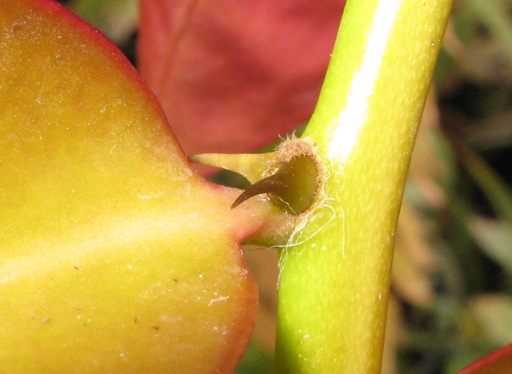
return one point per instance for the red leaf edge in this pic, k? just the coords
(498, 362)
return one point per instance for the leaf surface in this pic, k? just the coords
(233, 75)
(114, 255)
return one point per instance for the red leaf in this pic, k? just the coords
(499, 362)
(233, 75)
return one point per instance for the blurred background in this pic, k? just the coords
(452, 273)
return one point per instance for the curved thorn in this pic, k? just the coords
(272, 184)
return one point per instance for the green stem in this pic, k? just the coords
(334, 275)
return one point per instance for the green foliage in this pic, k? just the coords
(117, 19)
(255, 361)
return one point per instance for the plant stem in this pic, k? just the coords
(335, 274)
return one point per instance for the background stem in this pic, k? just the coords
(334, 277)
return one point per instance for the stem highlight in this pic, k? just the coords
(334, 287)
